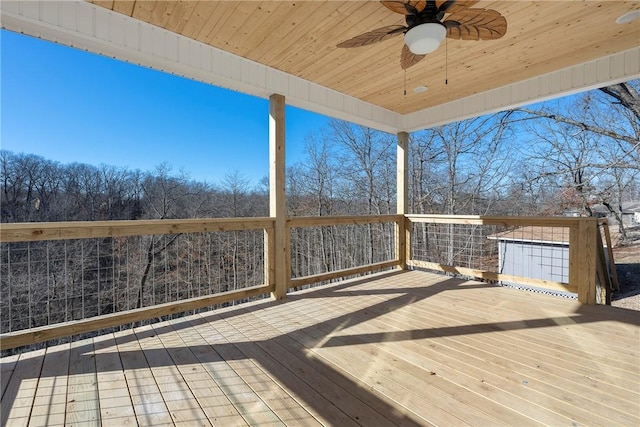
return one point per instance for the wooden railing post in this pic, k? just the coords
(402, 198)
(582, 259)
(269, 261)
(408, 229)
(277, 205)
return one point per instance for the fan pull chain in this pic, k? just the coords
(405, 82)
(446, 62)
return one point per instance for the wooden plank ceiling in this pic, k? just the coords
(300, 37)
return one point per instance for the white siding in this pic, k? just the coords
(612, 69)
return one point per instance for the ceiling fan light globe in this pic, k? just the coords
(425, 38)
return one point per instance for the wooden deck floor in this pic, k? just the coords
(406, 348)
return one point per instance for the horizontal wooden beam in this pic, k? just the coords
(38, 231)
(66, 329)
(316, 278)
(518, 221)
(490, 275)
(316, 221)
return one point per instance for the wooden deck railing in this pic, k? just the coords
(73, 232)
(382, 241)
(392, 241)
(580, 236)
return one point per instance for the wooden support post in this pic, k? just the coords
(269, 261)
(277, 205)
(582, 259)
(408, 230)
(402, 198)
(612, 262)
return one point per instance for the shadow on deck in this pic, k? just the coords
(402, 348)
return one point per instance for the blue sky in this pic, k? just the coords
(70, 106)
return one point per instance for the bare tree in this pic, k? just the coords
(612, 112)
(365, 155)
(460, 167)
(592, 142)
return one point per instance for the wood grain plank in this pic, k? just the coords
(115, 401)
(49, 406)
(586, 378)
(258, 383)
(360, 390)
(201, 13)
(459, 368)
(7, 365)
(17, 400)
(340, 389)
(232, 18)
(493, 276)
(143, 10)
(300, 39)
(618, 346)
(500, 350)
(412, 347)
(146, 398)
(124, 6)
(393, 377)
(30, 232)
(182, 404)
(319, 405)
(83, 403)
(316, 221)
(202, 366)
(317, 278)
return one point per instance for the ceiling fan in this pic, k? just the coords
(426, 29)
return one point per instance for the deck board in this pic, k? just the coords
(116, 405)
(83, 403)
(49, 406)
(6, 371)
(182, 404)
(505, 358)
(147, 400)
(408, 348)
(17, 400)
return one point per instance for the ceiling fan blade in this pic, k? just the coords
(453, 6)
(405, 7)
(408, 58)
(374, 36)
(396, 6)
(476, 24)
(419, 5)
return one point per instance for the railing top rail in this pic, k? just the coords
(551, 221)
(317, 221)
(38, 231)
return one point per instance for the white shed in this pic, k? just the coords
(535, 252)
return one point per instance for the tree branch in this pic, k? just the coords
(584, 126)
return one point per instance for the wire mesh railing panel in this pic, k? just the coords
(461, 245)
(48, 282)
(324, 249)
(529, 252)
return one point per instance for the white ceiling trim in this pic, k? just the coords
(611, 69)
(98, 30)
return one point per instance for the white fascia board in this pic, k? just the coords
(616, 68)
(95, 29)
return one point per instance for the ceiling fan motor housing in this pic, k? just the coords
(425, 38)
